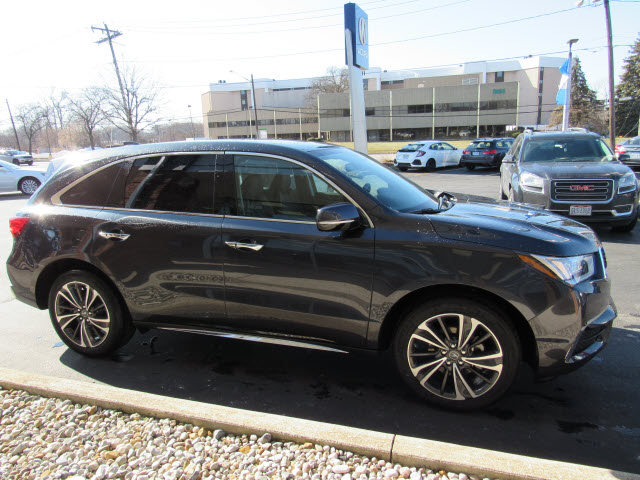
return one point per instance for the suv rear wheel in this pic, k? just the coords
(457, 353)
(87, 315)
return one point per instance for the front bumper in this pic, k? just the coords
(620, 210)
(576, 327)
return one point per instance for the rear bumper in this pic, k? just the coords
(482, 160)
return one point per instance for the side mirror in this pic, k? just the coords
(340, 216)
(508, 159)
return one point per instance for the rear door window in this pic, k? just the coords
(177, 183)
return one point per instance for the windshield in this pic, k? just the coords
(567, 150)
(634, 141)
(479, 145)
(386, 186)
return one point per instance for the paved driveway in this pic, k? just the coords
(590, 417)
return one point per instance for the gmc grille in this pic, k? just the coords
(581, 190)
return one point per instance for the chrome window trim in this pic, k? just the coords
(313, 170)
(55, 199)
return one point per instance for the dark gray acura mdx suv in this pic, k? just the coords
(313, 245)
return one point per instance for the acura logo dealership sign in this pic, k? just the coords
(356, 23)
(362, 30)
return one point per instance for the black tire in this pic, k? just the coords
(502, 195)
(626, 228)
(85, 332)
(30, 163)
(403, 169)
(28, 185)
(474, 386)
(431, 165)
(16, 162)
(470, 167)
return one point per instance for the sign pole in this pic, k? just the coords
(357, 101)
(356, 33)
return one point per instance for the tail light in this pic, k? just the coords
(620, 149)
(465, 152)
(17, 224)
(490, 152)
(420, 153)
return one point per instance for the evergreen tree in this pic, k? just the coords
(628, 112)
(586, 111)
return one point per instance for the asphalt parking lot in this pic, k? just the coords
(590, 417)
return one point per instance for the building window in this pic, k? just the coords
(499, 77)
(419, 108)
(369, 111)
(243, 100)
(470, 81)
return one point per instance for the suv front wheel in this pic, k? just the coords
(457, 353)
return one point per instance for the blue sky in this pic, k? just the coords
(50, 46)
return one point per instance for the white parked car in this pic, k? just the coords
(427, 154)
(14, 178)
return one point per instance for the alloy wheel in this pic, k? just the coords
(82, 314)
(455, 357)
(29, 186)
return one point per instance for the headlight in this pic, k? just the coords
(571, 270)
(627, 183)
(531, 183)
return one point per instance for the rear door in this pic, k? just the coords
(282, 274)
(159, 239)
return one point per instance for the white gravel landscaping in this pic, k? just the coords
(49, 438)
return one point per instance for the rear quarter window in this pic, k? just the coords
(95, 188)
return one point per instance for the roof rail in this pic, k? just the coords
(577, 129)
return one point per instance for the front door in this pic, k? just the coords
(283, 275)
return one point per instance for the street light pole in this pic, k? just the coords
(612, 111)
(566, 112)
(193, 129)
(253, 100)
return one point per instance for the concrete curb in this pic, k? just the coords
(396, 448)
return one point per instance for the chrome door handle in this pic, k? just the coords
(254, 247)
(114, 235)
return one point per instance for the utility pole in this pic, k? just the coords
(612, 111)
(255, 107)
(110, 35)
(566, 112)
(15, 132)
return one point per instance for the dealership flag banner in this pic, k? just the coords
(561, 97)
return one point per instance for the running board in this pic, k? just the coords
(255, 338)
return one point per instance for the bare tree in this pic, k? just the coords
(135, 111)
(335, 81)
(31, 119)
(88, 108)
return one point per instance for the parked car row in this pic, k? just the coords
(432, 154)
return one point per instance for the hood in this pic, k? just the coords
(514, 226)
(576, 170)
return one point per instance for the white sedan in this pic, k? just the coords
(427, 154)
(25, 179)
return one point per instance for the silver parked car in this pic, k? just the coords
(16, 157)
(25, 179)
